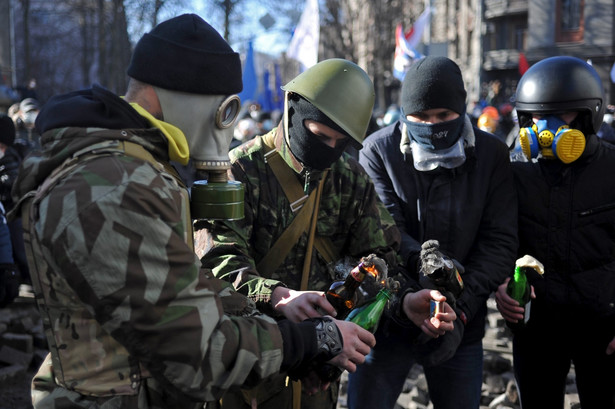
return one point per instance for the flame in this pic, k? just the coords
(370, 269)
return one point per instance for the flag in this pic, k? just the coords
(523, 64)
(265, 98)
(303, 45)
(404, 54)
(249, 78)
(401, 61)
(405, 43)
(278, 93)
(413, 37)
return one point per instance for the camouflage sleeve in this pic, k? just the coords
(229, 258)
(122, 246)
(235, 245)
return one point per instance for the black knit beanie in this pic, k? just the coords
(433, 82)
(186, 54)
(7, 130)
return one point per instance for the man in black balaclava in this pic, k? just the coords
(306, 146)
(308, 206)
(442, 179)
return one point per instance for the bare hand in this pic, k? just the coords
(357, 344)
(611, 347)
(508, 306)
(416, 306)
(300, 305)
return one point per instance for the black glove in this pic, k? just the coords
(438, 350)
(9, 283)
(329, 338)
(329, 344)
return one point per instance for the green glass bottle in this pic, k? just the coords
(369, 315)
(519, 287)
(366, 316)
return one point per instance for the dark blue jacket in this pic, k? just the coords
(471, 210)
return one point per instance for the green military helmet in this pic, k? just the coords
(341, 90)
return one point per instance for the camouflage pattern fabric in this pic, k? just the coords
(350, 215)
(131, 319)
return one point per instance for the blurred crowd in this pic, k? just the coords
(17, 138)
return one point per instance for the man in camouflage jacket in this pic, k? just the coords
(350, 215)
(131, 319)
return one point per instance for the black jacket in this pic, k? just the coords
(567, 221)
(471, 210)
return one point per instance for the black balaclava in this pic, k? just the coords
(304, 145)
(434, 82)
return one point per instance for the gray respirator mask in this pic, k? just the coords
(207, 122)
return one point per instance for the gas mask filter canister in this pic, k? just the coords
(553, 139)
(207, 122)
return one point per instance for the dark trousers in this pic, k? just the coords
(544, 351)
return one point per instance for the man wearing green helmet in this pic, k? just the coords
(302, 165)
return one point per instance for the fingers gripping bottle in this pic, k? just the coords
(367, 317)
(519, 287)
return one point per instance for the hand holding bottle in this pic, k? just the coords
(509, 308)
(300, 305)
(357, 344)
(514, 295)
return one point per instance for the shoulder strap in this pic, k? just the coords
(288, 181)
(302, 205)
(295, 195)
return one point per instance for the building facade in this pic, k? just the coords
(538, 29)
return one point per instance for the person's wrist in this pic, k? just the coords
(278, 293)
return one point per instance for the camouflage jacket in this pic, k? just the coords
(350, 215)
(131, 319)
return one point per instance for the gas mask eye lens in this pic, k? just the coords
(227, 112)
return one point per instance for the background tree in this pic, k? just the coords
(364, 31)
(71, 44)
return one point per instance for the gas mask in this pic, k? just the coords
(206, 121)
(553, 139)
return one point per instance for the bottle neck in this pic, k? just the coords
(519, 275)
(358, 273)
(384, 294)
